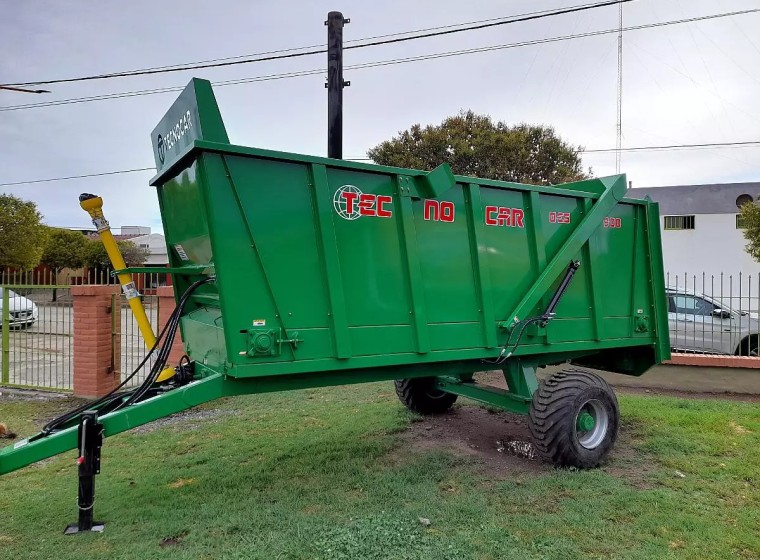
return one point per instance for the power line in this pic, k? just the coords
(677, 147)
(184, 65)
(374, 64)
(710, 145)
(284, 55)
(102, 174)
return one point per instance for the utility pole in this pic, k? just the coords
(335, 84)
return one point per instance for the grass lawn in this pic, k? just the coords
(334, 474)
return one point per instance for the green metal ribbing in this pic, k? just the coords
(614, 191)
(408, 238)
(331, 263)
(476, 234)
(657, 282)
(592, 280)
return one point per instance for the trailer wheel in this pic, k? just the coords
(421, 396)
(574, 419)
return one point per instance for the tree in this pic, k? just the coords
(97, 257)
(65, 249)
(749, 213)
(22, 235)
(476, 146)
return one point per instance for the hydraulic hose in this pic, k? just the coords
(129, 397)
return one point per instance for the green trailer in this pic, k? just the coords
(296, 271)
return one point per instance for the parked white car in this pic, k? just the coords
(22, 311)
(699, 323)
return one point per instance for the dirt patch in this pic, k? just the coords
(187, 420)
(180, 482)
(499, 440)
(626, 461)
(501, 443)
(176, 540)
(12, 393)
(738, 429)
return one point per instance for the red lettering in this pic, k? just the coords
(517, 217)
(431, 210)
(491, 221)
(552, 217)
(367, 204)
(382, 211)
(447, 211)
(613, 222)
(350, 197)
(505, 216)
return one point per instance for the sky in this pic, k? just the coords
(689, 83)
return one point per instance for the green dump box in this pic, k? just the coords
(296, 271)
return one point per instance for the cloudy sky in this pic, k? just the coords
(688, 83)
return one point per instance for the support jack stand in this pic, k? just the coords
(90, 443)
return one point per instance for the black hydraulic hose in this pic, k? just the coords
(163, 356)
(170, 331)
(105, 399)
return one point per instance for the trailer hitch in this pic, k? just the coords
(90, 444)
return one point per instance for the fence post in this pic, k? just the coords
(94, 344)
(166, 305)
(6, 363)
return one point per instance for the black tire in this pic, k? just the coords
(421, 396)
(750, 346)
(559, 405)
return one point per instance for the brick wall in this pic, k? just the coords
(709, 360)
(96, 339)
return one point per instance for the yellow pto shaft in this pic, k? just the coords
(93, 205)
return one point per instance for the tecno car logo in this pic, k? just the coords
(161, 147)
(351, 203)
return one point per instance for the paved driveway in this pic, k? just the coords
(43, 354)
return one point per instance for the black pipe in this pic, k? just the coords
(550, 309)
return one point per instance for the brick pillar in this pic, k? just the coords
(166, 306)
(96, 347)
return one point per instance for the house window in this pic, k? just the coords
(740, 224)
(679, 222)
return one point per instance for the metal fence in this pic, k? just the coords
(707, 313)
(714, 313)
(36, 317)
(132, 346)
(37, 329)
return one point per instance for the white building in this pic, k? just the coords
(702, 238)
(156, 244)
